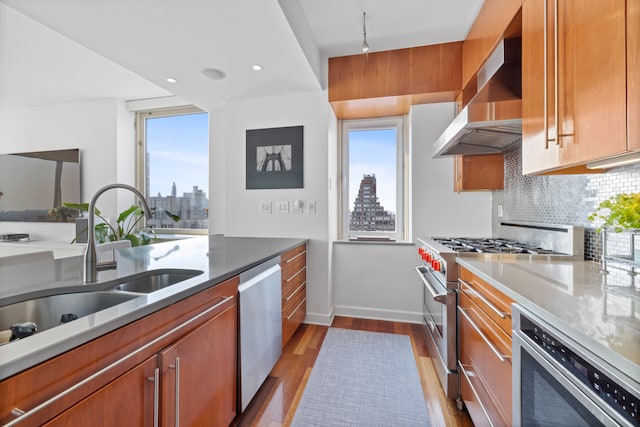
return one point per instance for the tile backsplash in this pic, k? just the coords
(561, 199)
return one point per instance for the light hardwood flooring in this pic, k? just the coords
(275, 403)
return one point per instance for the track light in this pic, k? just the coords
(365, 45)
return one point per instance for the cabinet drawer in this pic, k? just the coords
(476, 399)
(290, 284)
(292, 261)
(293, 299)
(486, 349)
(292, 319)
(492, 302)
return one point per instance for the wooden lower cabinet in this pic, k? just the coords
(198, 373)
(126, 401)
(178, 364)
(293, 265)
(484, 321)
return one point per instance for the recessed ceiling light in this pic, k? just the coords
(213, 73)
(257, 67)
(172, 80)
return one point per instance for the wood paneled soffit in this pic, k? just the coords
(389, 82)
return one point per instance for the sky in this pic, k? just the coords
(373, 152)
(179, 147)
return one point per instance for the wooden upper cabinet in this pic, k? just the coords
(633, 74)
(387, 83)
(491, 25)
(481, 172)
(574, 86)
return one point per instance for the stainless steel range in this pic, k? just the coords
(439, 277)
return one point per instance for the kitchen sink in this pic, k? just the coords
(50, 311)
(155, 280)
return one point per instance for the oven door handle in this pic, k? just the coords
(438, 297)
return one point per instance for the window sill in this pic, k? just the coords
(375, 242)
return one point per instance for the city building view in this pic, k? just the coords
(367, 213)
(190, 207)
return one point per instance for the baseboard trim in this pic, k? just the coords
(320, 319)
(378, 314)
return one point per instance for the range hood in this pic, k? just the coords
(492, 120)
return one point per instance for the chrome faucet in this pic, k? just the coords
(91, 264)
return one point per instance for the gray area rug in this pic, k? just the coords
(363, 379)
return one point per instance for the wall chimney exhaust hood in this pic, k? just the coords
(492, 120)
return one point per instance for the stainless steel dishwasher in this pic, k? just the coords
(260, 325)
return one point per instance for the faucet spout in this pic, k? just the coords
(91, 266)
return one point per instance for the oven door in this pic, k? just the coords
(546, 394)
(439, 313)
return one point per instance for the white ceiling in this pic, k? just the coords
(58, 51)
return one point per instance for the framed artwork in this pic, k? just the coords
(274, 158)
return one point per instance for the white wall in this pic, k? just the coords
(101, 129)
(241, 206)
(378, 280)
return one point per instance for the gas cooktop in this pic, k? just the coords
(491, 245)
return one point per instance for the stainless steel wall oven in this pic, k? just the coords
(558, 382)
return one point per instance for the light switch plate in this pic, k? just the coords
(311, 207)
(297, 207)
(283, 207)
(265, 207)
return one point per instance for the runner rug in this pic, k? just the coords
(363, 379)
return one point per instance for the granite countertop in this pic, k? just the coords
(217, 256)
(571, 296)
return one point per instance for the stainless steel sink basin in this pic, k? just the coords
(47, 312)
(155, 280)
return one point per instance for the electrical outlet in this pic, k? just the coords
(265, 207)
(283, 207)
(311, 207)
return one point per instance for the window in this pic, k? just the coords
(173, 166)
(374, 179)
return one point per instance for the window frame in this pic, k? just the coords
(402, 178)
(141, 151)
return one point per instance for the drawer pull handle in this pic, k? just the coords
(502, 357)
(300, 254)
(496, 310)
(156, 394)
(296, 291)
(297, 272)
(298, 307)
(176, 366)
(16, 412)
(76, 386)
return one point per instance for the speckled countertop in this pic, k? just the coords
(601, 312)
(217, 256)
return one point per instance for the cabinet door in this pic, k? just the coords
(480, 172)
(574, 83)
(538, 152)
(633, 74)
(591, 79)
(199, 375)
(128, 400)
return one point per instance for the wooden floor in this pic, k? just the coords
(276, 401)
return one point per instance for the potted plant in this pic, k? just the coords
(618, 214)
(126, 227)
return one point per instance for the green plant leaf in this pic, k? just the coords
(83, 207)
(124, 215)
(618, 213)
